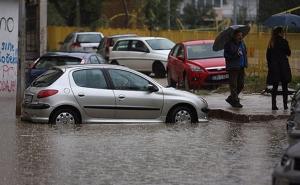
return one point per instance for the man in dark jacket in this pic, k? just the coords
(235, 54)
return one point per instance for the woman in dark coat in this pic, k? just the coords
(278, 65)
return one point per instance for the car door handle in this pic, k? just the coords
(81, 94)
(121, 97)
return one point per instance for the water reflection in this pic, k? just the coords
(217, 152)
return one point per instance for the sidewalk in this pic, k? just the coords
(256, 107)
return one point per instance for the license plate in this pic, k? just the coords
(220, 77)
(27, 98)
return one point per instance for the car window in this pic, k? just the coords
(100, 59)
(94, 60)
(48, 62)
(124, 80)
(90, 78)
(178, 51)
(47, 78)
(68, 38)
(102, 42)
(202, 51)
(121, 45)
(89, 38)
(160, 44)
(138, 46)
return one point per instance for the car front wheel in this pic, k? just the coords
(159, 70)
(182, 114)
(171, 82)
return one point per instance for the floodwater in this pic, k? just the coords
(213, 153)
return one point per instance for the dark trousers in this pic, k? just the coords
(284, 93)
(236, 83)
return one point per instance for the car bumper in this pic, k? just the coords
(39, 112)
(282, 177)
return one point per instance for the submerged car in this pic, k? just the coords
(144, 54)
(288, 171)
(51, 59)
(107, 93)
(193, 64)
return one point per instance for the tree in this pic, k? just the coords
(268, 8)
(155, 12)
(195, 15)
(64, 12)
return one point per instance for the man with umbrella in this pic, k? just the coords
(235, 53)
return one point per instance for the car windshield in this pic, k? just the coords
(160, 44)
(202, 51)
(47, 78)
(48, 62)
(89, 38)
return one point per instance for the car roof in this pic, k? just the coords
(88, 33)
(123, 35)
(142, 38)
(195, 42)
(68, 54)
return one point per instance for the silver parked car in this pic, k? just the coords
(107, 93)
(293, 123)
(81, 41)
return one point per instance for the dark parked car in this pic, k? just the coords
(51, 59)
(293, 123)
(288, 171)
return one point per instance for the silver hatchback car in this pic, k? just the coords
(107, 94)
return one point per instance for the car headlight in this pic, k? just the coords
(195, 68)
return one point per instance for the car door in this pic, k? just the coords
(177, 63)
(91, 91)
(140, 56)
(133, 98)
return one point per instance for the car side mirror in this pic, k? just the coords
(152, 88)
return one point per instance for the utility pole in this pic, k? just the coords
(21, 60)
(126, 12)
(168, 14)
(77, 13)
(234, 11)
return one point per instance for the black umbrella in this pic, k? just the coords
(283, 20)
(227, 34)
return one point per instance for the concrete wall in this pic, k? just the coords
(9, 18)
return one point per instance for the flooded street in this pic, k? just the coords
(217, 152)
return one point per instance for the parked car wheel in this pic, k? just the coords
(65, 117)
(159, 70)
(171, 83)
(186, 83)
(182, 114)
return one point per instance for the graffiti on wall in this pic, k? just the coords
(8, 47)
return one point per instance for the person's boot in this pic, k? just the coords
(274, 106)
(285, 98)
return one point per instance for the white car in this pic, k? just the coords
(81, 41)
(144, 54)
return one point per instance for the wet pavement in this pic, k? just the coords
(217, 152)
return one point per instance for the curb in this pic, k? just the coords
(242, 118)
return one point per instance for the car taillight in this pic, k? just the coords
(75, 45)
(46, 93)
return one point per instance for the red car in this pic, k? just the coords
(193, 64)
